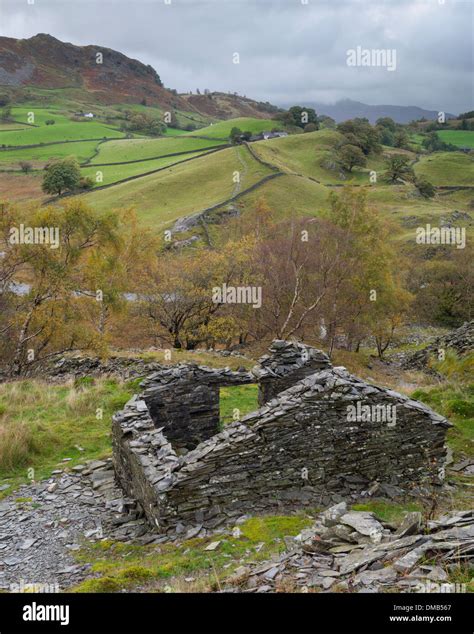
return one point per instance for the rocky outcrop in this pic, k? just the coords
(102, 74)
(460, 340)
(327, 437)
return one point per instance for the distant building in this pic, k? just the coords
(267, 135)
(89, 115)
(273, 135)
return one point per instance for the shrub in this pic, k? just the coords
(86, 183)
(426, 189)
(84, 381)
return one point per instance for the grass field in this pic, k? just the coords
(19, 187)
(36, 116)
(138, 149)
(70, 131)
(41, 424)
(39, 156)
(305, 154)
(182, 189)
(290, 195)
(461, 138)
(237, 401)
(113, 173)
(447, 168)
(13, 126)
(183, 118)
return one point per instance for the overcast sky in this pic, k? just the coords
(289, 51)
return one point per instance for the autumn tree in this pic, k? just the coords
(443, 286)
(297, 267)
(350, 156)
(113, 274)
(43, 318)
(363, 135)
(371, 299)
(398, 167)
(61, 176)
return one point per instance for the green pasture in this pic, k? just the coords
(184, 188)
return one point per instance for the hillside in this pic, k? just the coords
(175, 176)
(229, 106)
(45, 62)
(41, 64)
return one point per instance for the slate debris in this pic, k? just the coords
(461, 340)
(313, 559)
(38, 537)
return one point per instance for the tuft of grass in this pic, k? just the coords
(456, 402)
(388, 511)
(17, 445)
(455, 367)
(41, 424)
(237, 401)
(268, 528)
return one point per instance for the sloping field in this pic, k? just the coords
(113, 173)
(246, 124)
(20, 187)
(461, 138)
(41, 115)
(38, 156)
(184, 118)
(306, 154)
(408, 210)
(288, 196)
(59, 132)
(183, 189)
(9, 127)
(139, 149)
(447, 168)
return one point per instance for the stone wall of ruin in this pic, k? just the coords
(299, 449)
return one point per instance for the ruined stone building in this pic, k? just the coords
(319, 436)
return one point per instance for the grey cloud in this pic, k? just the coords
(288, 51)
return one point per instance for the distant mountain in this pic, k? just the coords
(348, 109)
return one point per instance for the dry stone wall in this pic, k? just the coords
(328, 436)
